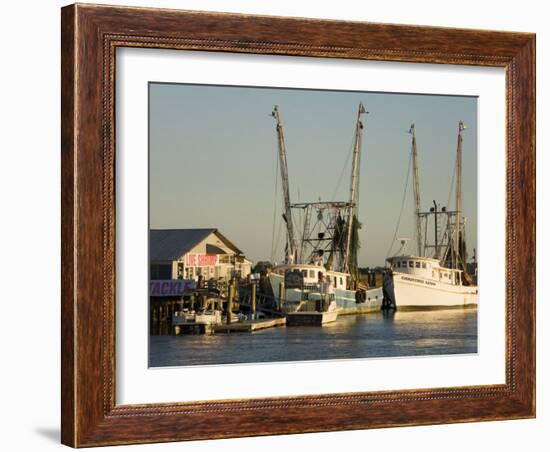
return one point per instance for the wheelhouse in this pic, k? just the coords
(312, 274)
(424, 267)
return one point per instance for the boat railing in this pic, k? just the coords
(311, 287)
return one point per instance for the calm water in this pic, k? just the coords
(360, 336)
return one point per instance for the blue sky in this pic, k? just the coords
(213, 159)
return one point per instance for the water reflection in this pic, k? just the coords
(388, 334)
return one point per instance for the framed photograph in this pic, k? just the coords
(282, 225)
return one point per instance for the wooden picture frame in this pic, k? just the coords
(90, 36)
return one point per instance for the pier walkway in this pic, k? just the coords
(248, 326)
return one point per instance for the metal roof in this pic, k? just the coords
(172, 244)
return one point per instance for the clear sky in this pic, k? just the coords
(213, 160)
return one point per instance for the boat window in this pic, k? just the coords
(423, 264)
(411, 264)
(341, 280)
(404, 264)
(398, 265)
(312, 274)
(417, 264)
(304, 273)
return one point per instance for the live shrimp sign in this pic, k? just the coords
(201, 260)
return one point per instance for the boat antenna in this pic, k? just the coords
(403, 241)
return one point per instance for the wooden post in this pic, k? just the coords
(253, 300)
(169, 318)
(235, 300)
(162, 317)
(230, 295)
(154, 318)
(281, 295)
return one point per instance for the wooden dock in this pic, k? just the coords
(248, 326)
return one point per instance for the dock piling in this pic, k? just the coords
(252, 300)
(230, 296)
(281, 295)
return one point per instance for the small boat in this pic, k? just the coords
(199, 322)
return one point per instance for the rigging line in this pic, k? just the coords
(448, 203)
(402, 206)
(274, 209)
(452, 185)
(278, 237)
(300, 227)
(350, 152)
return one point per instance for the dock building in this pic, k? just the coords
(190, 253)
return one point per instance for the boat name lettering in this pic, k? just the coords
(420, 281)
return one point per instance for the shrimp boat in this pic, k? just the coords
(439, 280)
(319, 277)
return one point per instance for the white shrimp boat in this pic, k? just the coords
(421, 282)
(439, 281)
(322, 262)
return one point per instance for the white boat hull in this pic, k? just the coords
(417, 293)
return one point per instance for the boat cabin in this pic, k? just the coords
(312, 274)
(425, 267)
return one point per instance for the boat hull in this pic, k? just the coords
(412, 292)
(345, 299)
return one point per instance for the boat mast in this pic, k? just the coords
(458, 215)
(436, 243)
(354, 184)
(416, 177)
(290, 256)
